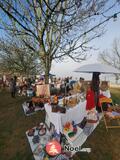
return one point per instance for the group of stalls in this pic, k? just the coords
(67, 123)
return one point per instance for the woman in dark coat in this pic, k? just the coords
(13, 87)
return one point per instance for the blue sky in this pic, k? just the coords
(113, 31)
(104, 42)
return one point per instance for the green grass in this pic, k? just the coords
(14, 144)
(115, 95)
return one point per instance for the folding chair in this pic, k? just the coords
(107, 116)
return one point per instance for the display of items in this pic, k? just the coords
(72, 101)
(113, 113)
(39, 151)
(92, 116)
(36, 139)
(54, 100)
(31, 132)
(57, 108)
(30, 93)
(41, 143)
(79, 117)
(40, 99)
(43, 90)
(39, 126)
(75, 133)
(70, 129)
(30, 108)
(42, 131)
(83, 123)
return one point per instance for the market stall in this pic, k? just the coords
(73, 123)
(37, 102)
(70, 124)
(38, 141)
(31, 108)
(69, 117)
(43, 144)
(76, 114)
(97, 69)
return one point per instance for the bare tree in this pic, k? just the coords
(60, 28)
(112, 56)
(15, 57)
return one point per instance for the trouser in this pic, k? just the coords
(13, 94)
(98, 108)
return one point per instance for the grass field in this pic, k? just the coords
(13, 141)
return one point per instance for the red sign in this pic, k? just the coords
(53, 148)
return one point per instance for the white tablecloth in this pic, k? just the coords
(75, 114)
(82, 135)
(43, 140)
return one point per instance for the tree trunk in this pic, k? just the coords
(47, 68)
(45, 57)
(46, 75)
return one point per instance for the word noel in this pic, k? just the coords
(69, 148)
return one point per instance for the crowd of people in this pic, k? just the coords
(19, 85)
(16, 85)
(58, 86)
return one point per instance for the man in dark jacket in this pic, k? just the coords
(13, 86)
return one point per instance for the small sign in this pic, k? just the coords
(53, 148)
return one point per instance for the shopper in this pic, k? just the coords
(13, 87)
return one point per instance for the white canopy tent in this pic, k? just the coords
(97, 67)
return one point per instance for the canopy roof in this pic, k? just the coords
(97, 67)
(50, 75)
